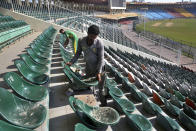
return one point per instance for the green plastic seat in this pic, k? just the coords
(167, 123)
(41, 48)
(123, 104)
(164, 94)
(172, 109)
(30, 75)
(138, 95)
(80, 114)
(41, 54)
(80, 84)
(176, 102)
(150, 107)
(21, 112)
(138, 122)
(24, 88)
(81, 127)
(179, 96)
(95, 114)
(34, 65)
(116, 91)
(147, 90)
(110, 82)
(37, 58)
(4, 126)
(187, 121)
(189, 111)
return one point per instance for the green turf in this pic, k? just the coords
(180, 30)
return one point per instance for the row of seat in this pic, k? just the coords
(25, 111)
(174, 100)
(149, 107)
(11, 30)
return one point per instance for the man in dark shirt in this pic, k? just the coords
(93, 50)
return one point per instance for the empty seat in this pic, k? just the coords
(187, 121)
(164, 94)
(34, 65)
(116, 91)
(41, 54)
(174, 100)
(157, 98)
(179, 96)
(24, 88)
(37, 58)
(123, 104)
(138, 122)
(150, 107)
(189, 111)
(167, 123)
(172, 109)
(30, 75)
(21, 112)
(190, 103)
(147, 90)
(4, 126)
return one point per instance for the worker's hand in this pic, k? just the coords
(69, 63)
(99, 77)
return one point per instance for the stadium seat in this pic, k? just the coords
(150, 107)
(99, 120)
(40, 68)
(179, 96)
(147, 90)
(189, 111)
(167, 123)
(157, 98)
(164, 94)
(187, 121)
(184, 91)
(21, 112)
(41, 48)
(190, 103)
(24, 88)
(81, 84)
(138, 95)
(41, 54)
(172, 109)
(138, 122)
(30, 75)
(110, 82)
(4, 126)
(37, 58)
(122, 104)
(116, 91)
(174, 100)
(81, 127)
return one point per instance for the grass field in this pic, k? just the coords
(175, 29)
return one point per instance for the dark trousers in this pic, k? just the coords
(102, 90)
